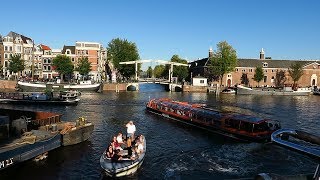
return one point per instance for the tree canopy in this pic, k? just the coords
(159, 71)
(295, 71)
(84, 66)
(223, 61)
(245, 79)
(121, 50)
(16, 64)
(280, 78)
(63, 65)
(179, 71)
(258, 74)
(149, 72)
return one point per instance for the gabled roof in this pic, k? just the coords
(44, 47)
(72, 49)
(256, 62)
(24, 38)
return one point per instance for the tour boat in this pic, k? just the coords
(123, 167)
(235, 125)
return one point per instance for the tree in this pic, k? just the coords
(223, 61)
(15, 64)
(295, 71)
(122, 51)
(258, 74)
(245, 79)
(84, 66)
(280, 78)
(63, 65)
(178, 71)
(159, 71)
(149, 72)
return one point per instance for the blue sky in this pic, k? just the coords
(286, 29)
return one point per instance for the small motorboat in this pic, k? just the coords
(123, 167)
(228, 91)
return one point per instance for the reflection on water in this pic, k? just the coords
(174, 150)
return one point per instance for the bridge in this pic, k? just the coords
(172, 86)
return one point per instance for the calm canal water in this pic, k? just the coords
(175, 151)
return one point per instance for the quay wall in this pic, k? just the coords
(7, 86)
(114, 87)
(189, 88)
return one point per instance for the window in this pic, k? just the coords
(265, 79)
(6, 56)
(49, 68)
(250, 70)
(202, 81)
(6, 48)
(243, 70)
(10, 48)
(68, 51)
(266, 71)
(265, 64)
(237, 69)
(49, 60)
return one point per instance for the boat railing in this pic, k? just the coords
(49, 120)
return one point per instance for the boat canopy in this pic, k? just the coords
(246, 118)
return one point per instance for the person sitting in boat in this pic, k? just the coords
(133, 155)
(139, 148)
(110, 152)
(116, 157)
(131, 129)
(119, 138)
(115, 143)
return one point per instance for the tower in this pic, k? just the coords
(261, 54)
(210, 52)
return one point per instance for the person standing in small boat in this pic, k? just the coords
(131, 129)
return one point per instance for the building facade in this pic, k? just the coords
(310, 77)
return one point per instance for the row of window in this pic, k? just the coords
(251, 70)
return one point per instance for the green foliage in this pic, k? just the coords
(223, 61)
(63, 65)
(245, 79)
(84, 66)
(159, 71)
(122, 51)
(149, 72)
(258, 74)
(280, 78)
(295, 71)
(16, 63)
(179, 71)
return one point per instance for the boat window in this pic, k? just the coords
(261, 127)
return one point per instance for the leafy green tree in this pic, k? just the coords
(123, 51)
(149, 72)
(245, 79)
(223, 61)
(181, 72)
(280, 78)
(258, 74)
(159, 71)
(295, 71)
(16, 64)
(63, 65)
(84, 66)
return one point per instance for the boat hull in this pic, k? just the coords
(31, 87)
(48, 102)
(77, 135)
(241, 90)
(18, 153)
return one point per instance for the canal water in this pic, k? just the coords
(174, 150)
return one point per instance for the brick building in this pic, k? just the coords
(311, 69)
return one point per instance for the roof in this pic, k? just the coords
(256, 62)
(44, 47)
(72, 49)
(247, 118)
(24, 38)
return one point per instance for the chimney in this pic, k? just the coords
(261, 54)
(210, 52)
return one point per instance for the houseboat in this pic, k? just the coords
(286, 91)
(234, 125)
(62, 98)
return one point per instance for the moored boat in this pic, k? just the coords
(228, 91)
(234, 125)
(63, 98)
(287, 91)
(30, 87)
(123, 167)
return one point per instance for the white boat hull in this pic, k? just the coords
(241, 90)
(26, 86)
